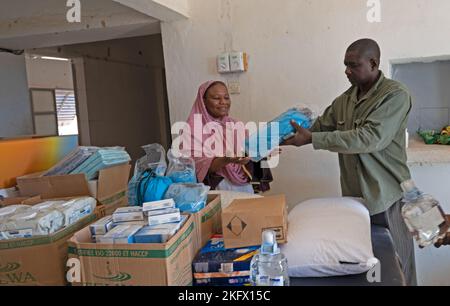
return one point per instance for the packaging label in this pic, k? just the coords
(264, 280)
(12, 274)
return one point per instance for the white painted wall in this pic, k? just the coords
(15, 107)
(296, 50)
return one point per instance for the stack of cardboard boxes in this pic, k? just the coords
(226, 259)
(42, 260)
(155, 264)
(146, 264)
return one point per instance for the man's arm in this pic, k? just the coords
(374, 135)
(326, 122)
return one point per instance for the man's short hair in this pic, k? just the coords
(366, 47)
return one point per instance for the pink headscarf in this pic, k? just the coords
(233, 172)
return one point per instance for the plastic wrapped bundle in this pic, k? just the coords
(103, 158)
(32, 223)
(181, 169)
(152, 187)
(71, 161)
(76, 209)
(260, 144)
(154, 159)
(48, 205)
(189, 198)
(8, 211)
(154, 162)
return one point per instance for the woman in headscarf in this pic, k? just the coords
(219, 172)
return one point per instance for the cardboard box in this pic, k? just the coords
(110, 189)
(208, 221)
(39, 261)
(244, 221)
(20, 200)
(166, 264)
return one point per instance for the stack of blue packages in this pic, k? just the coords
(71, 161)
(189, 198)
(103, 158)
(260, 144)
(186, 175)
(216, 266)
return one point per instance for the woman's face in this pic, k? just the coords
(217, 101)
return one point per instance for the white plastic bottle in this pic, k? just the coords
(423, 215)
(269, 267)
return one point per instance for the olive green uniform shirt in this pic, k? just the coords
(369, 135)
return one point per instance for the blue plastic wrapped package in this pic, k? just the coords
(73, 160)
(189, 198)
(151, 187)
(260, 144)
(154, 160)
(181, 169)
(102, 159)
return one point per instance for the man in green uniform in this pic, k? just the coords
(366, 126)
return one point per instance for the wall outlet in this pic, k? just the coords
(234, 87)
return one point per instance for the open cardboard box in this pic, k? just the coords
(153, 264)
(40, 260)
(208, 221)
(110, 189)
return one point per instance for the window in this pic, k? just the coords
(54, 112)
(428, 83)
(66, 112)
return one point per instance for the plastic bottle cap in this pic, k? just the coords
(269, 243)
(408, 186)
(268, 237)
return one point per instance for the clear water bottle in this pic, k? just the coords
(269, 267)
(423, 215)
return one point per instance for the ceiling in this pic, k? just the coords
(28, 24)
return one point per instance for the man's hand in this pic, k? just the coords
(302, 137)
(446, 239)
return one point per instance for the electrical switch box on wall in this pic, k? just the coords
(232, 62)
(238, 62)
(223, 63)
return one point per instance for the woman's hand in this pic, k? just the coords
(238, 160)
(220, 162)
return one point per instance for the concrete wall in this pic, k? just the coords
(428, 83)
(15, 107)
(296, 50)
(37, 24)
(44, 73)
(120, 92)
